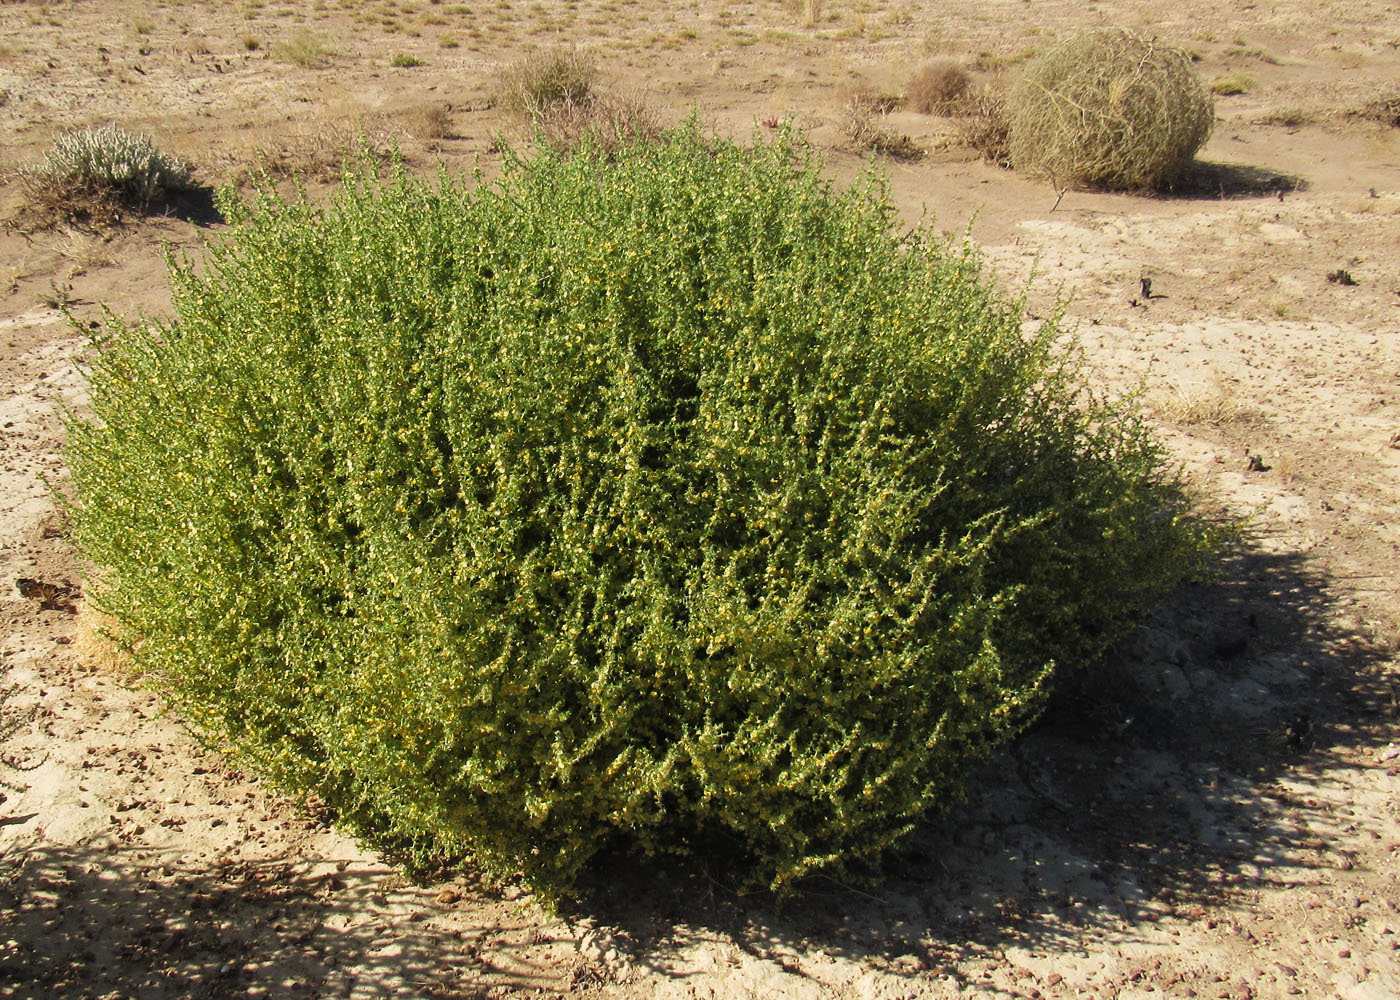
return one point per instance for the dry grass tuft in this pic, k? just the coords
(550, 76)
(941, 88)
(997, 62)
(305, 48)
(1384, 109)
(1109, 109)
(881, 102)
(429, 121)
(96, 645)
(1292, 116)
(610, 123)
(87, 251)
(809, 11)
(1214, 405)
(1232, 84)
(319, 152)
(985, 128)
(864, 121)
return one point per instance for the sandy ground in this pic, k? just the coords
(1226, 824)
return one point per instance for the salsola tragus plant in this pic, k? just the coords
(1109, 108)
(633, 496)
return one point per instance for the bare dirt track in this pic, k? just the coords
(1224, 823)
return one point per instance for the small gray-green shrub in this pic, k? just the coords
(110, 160)
(1108, 108)
(635, 496)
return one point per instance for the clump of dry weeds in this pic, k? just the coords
(305, 49)
(1109, 108)
(865, 123)
(610, 122)
(1383, 109)
(985, 128)
(319, 152)
(941, 88)
(429, 121)
(810, 11)
(547, 77)
(1215, 405)
(84, 205)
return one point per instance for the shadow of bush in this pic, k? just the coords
(1173, 779)
(111, 921)
(89, 208)
(1223, 181)
(1168, 781)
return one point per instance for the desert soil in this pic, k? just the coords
(1222, 823)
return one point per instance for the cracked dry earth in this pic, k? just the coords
(1223, 821)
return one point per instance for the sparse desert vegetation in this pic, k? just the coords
(985, 129)
(606, 122)
(865, 122)
(1232, 83)
(1383, 109)
(428, 121)
(304, 48)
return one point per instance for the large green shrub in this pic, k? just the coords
(1108, 108)
(614, 502)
